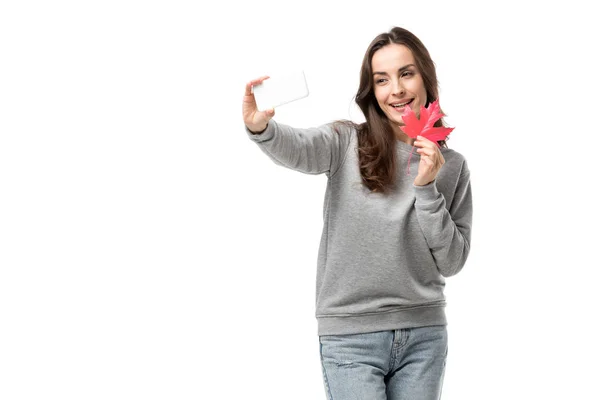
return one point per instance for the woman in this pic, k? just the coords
(395, 224)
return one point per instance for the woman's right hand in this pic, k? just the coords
(256, 121)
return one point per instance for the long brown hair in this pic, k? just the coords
(376, 139)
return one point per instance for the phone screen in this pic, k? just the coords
(279, 90)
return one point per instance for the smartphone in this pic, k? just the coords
(278, 90)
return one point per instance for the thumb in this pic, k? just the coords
(270, 113)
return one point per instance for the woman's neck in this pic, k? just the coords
(400, 135)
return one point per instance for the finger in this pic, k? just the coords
(421, 143)
(254, 83)
(427, 160)
(425, 145)
(426, 151)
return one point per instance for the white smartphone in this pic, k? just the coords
(279, 90)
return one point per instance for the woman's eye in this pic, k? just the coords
(380, 80)
(406, 73)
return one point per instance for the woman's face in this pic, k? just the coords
(397, 81)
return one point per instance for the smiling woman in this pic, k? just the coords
(397, 70)
(389, 239)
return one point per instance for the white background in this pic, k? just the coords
(150, 250)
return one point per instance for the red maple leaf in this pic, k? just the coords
(423, 126)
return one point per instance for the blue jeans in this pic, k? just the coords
(404, 364)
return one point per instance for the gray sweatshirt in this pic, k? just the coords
(382, 258)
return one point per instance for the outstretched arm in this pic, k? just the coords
(312, 151)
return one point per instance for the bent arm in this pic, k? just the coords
(448, 232)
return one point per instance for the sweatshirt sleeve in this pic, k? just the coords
(311, 151)
(447, 231)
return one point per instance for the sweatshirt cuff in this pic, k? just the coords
(427, 193)
(267, 134)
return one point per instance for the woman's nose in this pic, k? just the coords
(398, 89)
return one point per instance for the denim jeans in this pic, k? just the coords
(403, 364)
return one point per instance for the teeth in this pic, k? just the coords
(400, 105)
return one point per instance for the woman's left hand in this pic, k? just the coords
(431, 161)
